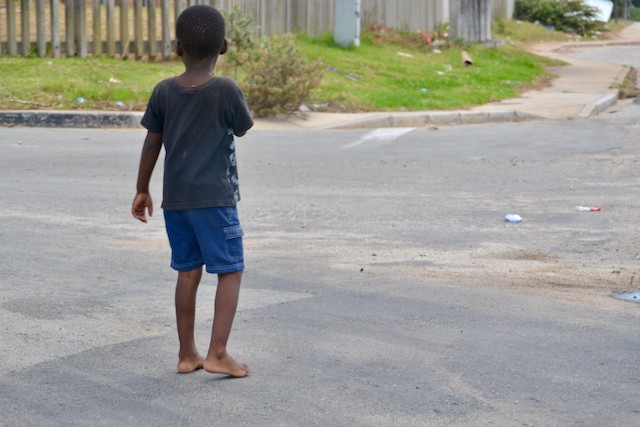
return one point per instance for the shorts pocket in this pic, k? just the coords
(233, 236)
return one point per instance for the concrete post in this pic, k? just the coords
(346, 23)
(470, 20)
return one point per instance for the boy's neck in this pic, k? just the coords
(197, 72)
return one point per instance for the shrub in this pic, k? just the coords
(280, 79)
(241, 34)
(562, 15)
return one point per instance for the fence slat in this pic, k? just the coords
(124, 28)
(179, 6)
(97, 27)
(11, 28)
(55, 28)
(151, 10)
(111, 28)
(166, 30)
(137, 29)
(40, 31)
(26, 39)
(80, 26)
(69, 27)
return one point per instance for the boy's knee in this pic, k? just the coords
(231, 274)
(234, 276)
(194, 274)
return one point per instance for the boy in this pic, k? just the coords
(195, 116)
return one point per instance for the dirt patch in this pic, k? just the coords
(541, 83)
(492, 265)
(527, 255)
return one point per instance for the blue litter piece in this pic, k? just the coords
(631, 296)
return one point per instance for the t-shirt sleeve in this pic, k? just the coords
(239, 116)
(153, 118)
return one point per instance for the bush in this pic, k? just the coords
(241, 33)
(280, 79)
(562, 15)
(635, 13)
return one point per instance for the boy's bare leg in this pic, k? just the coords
(218, 361)
(186, 289)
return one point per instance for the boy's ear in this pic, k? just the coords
(225, 46)
(179, 50)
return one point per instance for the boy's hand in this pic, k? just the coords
(141, 202)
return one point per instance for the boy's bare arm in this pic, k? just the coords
(148, 159)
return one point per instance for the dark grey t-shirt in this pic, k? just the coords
(197, 126)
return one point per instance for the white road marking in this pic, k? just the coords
(382, 134)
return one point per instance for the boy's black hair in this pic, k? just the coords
(201, 31)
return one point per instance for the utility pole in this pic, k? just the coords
(470, 20)
(346, 23)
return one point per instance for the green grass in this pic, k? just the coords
(373, 77)
(380, 76)
(36, 83)
(524, 32)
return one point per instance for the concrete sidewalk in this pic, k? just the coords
(583, 88)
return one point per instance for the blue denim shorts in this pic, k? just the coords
(209, 236)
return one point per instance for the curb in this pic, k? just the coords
(599, 105)
(131, 120)
(70, 119)
(437, 118)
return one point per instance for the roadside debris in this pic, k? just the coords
(344, 73)
(466, 59)
(323, 106)
(423, 37)
(631, 296)
(513, 218)
(588, 208)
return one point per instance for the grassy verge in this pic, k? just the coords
(393, 76)
(390, 71)
(521, 32)
(37, 83)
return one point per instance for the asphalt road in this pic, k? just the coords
(383, 285)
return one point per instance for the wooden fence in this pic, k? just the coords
(145, 28)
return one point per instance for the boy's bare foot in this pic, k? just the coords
(226, 365)
(188, 365)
